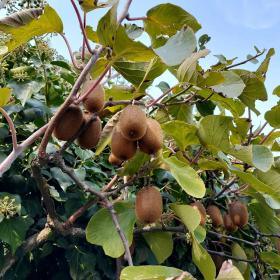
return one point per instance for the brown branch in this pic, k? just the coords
(267, 136)
(109, 186)
(245, 61)
(197, 156)
(225, 187)
(128, 18)
(74, 62)
(11, 126)
(160, 97)
(84, 41)
(258, 132)
(230, 257)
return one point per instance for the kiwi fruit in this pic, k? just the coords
(122, 148)
(202, 211)
(238, 213)
(69, 123)
(148, 205)
(90, 136)
(114, 160)
(228, 223)
(133, 123)
(215, 215)
(151, 142)
(94, 102)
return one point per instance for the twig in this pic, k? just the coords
(258, 132)
(74, 62)
(84, 41)
(245, 61)
(12, 128)
(197, 156)
(109, 186)
(160, 97)
(229, 257)
(135, 18)
(267, 136)
(178, 94)
(124, 13)
(81, 26)
(225, 187)
(178, 229)
(251, 127)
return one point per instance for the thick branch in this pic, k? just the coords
(12, 128)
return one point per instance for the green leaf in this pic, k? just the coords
(187, 68)
(229, 272)
(186, 177)
(134, 164)
(189, 215)
(273, 116)
(177, 48)
(206, 164)
(276, 91)
(213, 132)
(232, 86)
(181, 112)
(238, 252)
(261, 71)
(12, 231)
(133, 31)
(254, 90)
(5, 95)
(203, 260)
(167, 19)
(183, 133)
(91, 34)
(24, 92)
(161, 244)
(213, 78)
(47, 23)
(61, 64)
(89, 5)
(63, 179)
(200, 233)
(271, 258)
(102, 231)
(155, 272)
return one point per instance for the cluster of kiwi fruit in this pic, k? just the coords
(74, 118)
(148, 205)
(236, 217)
(134, 130)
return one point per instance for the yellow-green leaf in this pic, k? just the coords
(5, 95)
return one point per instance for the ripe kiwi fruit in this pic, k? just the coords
(215, 215)
(122, 148)
(228, 223)
(114, 160)
(151, 142)
(69, 123)
(90, 136)
(94, 102)
(238, 213)
(133, 123)
(202, 211)
(148, 205)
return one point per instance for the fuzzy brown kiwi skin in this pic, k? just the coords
(133, 123)
(238, 213)
(94, 102)
(215, 215)
(202, 211)
(114, 160)
(228, 223)
(90, 137)
(151, 142)
(122, 148)
(69, 123)
(148, 205)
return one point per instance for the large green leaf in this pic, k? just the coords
(102, 231)
(261, 71)
(254, 90)
(5, 95)
(181, 112)
(161, 244)
(189, 215)
(203, 260)
(155, 272)
(13, 231)
(229, 272)
(167, 19)
(89, 5)
(187, 68)
(238, 252)
(232, 86)
(271, 258)
(177, 48)
(213, 132)
(183, 133)
(186, 177)
(273, 116)
(47, 23)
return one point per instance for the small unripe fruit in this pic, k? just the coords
(215, 215)
(238, 213)
(121, 147)
(94, 102)
(133, 123)
(90, 136)
(151, 142)
(114, 160)
(228, 223)
(201, 210)
(69, 123)
(148, 205)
